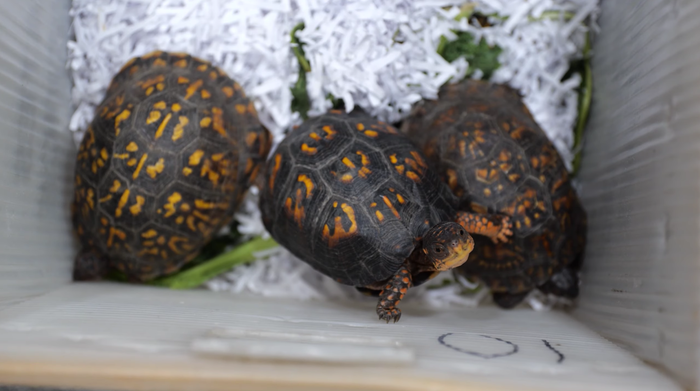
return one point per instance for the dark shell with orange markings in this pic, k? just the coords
(352, 197)
(173, 148)
(485, 144)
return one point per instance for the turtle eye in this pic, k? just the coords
(437, 249)
(461, 232)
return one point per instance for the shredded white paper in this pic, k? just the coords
(379, 55)
(247, 39)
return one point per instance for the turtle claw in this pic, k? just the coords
(495, 226)
(504, 232)
(392, 294)
(388, 314)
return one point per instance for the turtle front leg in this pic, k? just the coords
(495, 226)
(392, 294)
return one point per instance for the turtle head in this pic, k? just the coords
(447, 245)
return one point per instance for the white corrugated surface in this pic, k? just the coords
(36, 151)
(113, 336)
(641, 182)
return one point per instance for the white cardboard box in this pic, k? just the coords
(640, 185)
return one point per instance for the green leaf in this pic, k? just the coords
(551, 15)
(211, 261)
(441, 46)
(297, 48)
(212, 249)
(204, 272)
(216, 246)
(300, 96)
(479, 55)
(465, 11)
(584, 104)
(338, 104)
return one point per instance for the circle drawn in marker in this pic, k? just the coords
(514, 349)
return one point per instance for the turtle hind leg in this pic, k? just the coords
(563, 284)
(89, 265)
(392, 293)
(508, 300)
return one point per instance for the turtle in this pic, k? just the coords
(353, 197)
(171, 152)
(487, 147)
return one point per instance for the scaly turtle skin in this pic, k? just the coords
(490, 151)
(171, 152)
(357, 201)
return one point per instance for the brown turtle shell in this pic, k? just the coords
(173, 148)
(487, 147)
(352, 197)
